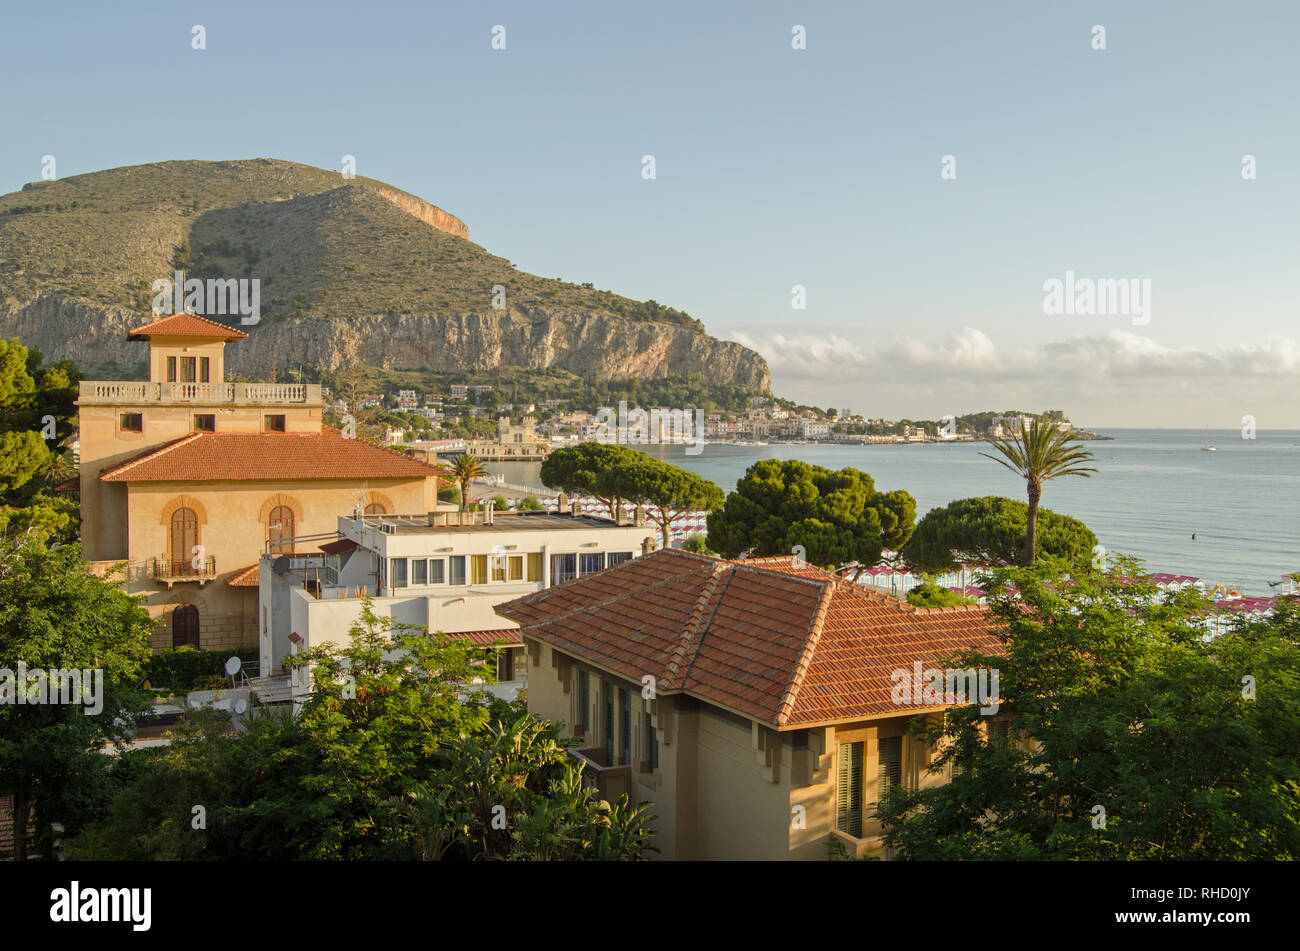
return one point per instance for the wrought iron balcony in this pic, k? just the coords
(165, 568)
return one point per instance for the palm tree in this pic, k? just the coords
(1038, 453)
(465, 470)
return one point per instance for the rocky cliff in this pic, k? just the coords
(349, 271)
(94, 337)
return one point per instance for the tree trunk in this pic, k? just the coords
(1031, 523)
(22, 805)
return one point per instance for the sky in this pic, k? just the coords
(915, 176)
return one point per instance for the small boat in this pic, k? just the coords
(1207, 447)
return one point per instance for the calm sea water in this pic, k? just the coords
(1155, 489)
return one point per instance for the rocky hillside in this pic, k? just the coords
(350, 271)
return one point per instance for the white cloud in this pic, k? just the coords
(970, 355)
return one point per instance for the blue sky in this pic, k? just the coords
(777, 167)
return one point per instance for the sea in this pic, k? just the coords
(1231, 516)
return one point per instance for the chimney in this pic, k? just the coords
(487, 511)
(561, 503)
(638, 516)
(433, 519)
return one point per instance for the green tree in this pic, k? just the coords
(670, 490)
(1039, 453)
(394, 756)
(837, 516)
(697, 543)
(56, 615)
(591, 468)
(929, 594)
(991, 530)
(465, 470)
(1121, 710)
(530, 503)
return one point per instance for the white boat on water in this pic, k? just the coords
(1207, 447)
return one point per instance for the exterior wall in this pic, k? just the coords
(233, 530)
(227, 616)
(168, 414)
(160, 348)
(727, 788)
(438, 607)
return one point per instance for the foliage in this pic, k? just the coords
(928, 594)
(837, 516)
(1038, 453)
(530, 503)
(1120, 702)
(696, 542)
(590, 468)
(186, 668)
(391, 758)
(37, 416)
(465, 469)
(670, 490)
(990, 530)
(616, 474)
(56, 615)
(258, 217)
(449, 494)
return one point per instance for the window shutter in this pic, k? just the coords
(891, 765)
(848, 797)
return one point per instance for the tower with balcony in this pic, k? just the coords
(186, 393)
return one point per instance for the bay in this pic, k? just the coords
(1155, 488)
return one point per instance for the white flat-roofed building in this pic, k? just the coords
(440, 571)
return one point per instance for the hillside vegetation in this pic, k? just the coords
(321, 245)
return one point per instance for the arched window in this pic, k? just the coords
(375, 508)
(280, 530)
(184, 535)
(185, 626)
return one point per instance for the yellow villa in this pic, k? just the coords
(189, 480)
(755, 703)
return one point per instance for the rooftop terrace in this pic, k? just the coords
(438, 523)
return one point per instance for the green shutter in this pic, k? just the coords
(848, 794)
(891, 765)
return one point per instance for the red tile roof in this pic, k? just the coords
(248, 578)
(789, 646)
(186, 325)
(216, 457)
(505, 637)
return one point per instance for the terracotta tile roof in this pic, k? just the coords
(789, 646)
(214, 457)
(186, 325)
(505, 637)
(248, 578)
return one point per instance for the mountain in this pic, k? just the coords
(351, 271)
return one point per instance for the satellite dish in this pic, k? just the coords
(280, 565)
(241, 705)
(233, 665)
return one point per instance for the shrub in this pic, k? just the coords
(529, 503)
(449, 494)
(189, 668)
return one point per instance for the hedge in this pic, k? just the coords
(189, 668)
